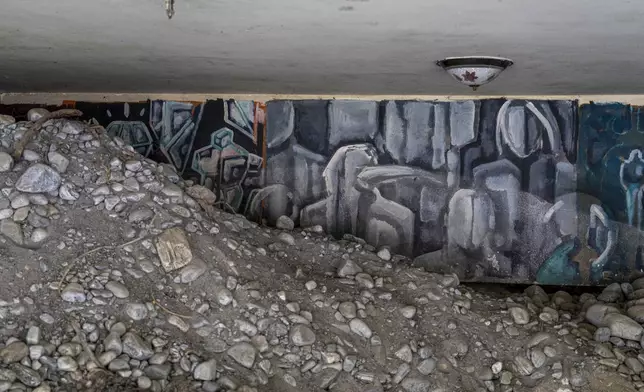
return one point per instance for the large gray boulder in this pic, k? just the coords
(39, 178)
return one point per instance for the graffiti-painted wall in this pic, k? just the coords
(611, 175)
(467, 186)
(502, 190)
(217, 143)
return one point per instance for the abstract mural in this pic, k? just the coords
(503, 190)
(467, 186)
(217, 143)
(611, 169)
(500, 190)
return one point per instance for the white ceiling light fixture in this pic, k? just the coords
(474, 71)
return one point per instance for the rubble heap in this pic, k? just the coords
(118, 274)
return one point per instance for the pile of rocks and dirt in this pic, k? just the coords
(117, 274)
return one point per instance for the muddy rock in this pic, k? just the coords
(414, 384)
(173, 249)
(14, 352)
(12, 231)
(520, 315)
(136, 347)
(201, 193)
(243, 353)
(206, 371)
(597, 313)
(301, 335)
(636, 313)
(58, 161)
(285, 223)
(192, 271)
(6, 162)
(36, 113)
(74, 292)
(360, 328)
(623, 327)
(348, 268)
(6, 119)
(27, 376)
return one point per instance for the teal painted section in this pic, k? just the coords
(559, 268)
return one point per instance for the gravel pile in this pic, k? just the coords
(117, 274)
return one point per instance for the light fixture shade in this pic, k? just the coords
(474, 71)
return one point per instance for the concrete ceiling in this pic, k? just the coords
(319, 46)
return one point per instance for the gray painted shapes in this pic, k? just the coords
(463, 122)
(408, 130)
(307, 172)
(423, 192)
(431, 149)
(279, 122)
(312, 126)
(471, 219)
(440, 141)
(541, 182)
(352, 122)
(502, 181)
(339, 177)
(387, 223)
(271, 202)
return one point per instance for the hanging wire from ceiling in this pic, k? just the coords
(169, 8)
